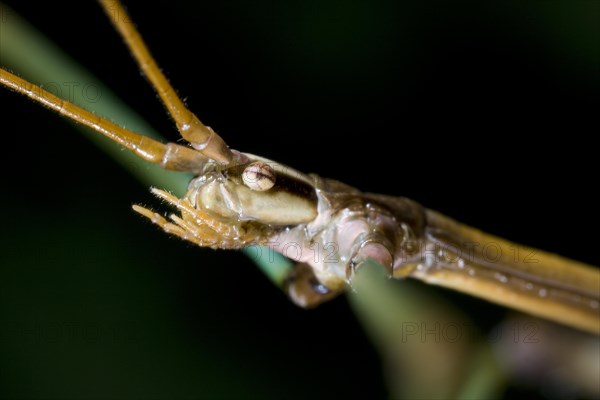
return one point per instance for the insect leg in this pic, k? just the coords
(199, 216)
(305, 290)
(161, 221)
(200, 136)
(170, 156)
(198, 234)
(195, 225)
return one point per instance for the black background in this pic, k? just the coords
(485, 112)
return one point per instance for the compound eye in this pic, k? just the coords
(259, 176)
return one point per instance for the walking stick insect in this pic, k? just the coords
(239, 199)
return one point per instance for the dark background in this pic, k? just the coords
(483, 111)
